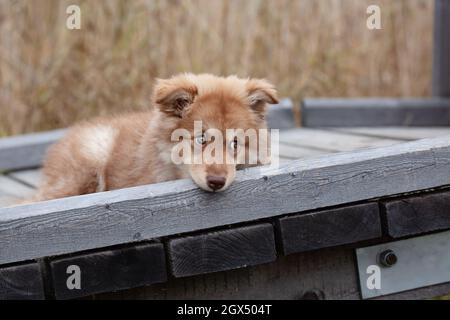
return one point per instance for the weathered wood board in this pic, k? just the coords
(21, 282)
(327, 228)
(292, 152)
(400, 133)
(331, 141)
(222, 250)
(367, 112)
(108, 270)
(26, 151)
(417, 214)
(31, 177)
(12, 192)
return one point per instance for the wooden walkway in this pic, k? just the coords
(352, 188)
(299, 143)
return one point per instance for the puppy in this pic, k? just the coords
(138, 148)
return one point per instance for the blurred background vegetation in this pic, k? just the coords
(51, 77)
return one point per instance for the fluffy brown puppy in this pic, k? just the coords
(137, 149)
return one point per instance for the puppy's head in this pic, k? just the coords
(218, 124)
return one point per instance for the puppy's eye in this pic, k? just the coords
(181, 103)
(234, 144)
(200, 139)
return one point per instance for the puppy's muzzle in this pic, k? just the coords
(215, 182)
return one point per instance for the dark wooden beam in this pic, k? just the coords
(327, 274)
(109, 270)
(418, 214)
(305, 232)
(21, 282)
(222, 250)
(441, 49)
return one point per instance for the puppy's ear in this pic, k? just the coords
(261, 92)
(173, 96)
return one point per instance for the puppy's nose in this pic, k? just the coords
(215, 182)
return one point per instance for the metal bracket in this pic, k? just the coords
(404, 265)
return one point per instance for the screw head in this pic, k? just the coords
(387, 258)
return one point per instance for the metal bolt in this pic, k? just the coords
(137, 236)
(387, 258)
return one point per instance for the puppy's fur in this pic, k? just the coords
(135, 149)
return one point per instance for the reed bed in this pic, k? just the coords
(51, 77)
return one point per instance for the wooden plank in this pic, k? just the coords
(281, 116)
(330, 272)
(441, 49)
(121, 216)
(6, 200)
(12, 191)
(109, 270)
(296, 152)
(31, 178)
(305, 232)
(331, 141)
(21, 282)
(369, 112)
(400, 133)
(26, 151)
(418, 214)
(222, 250)
(14, 188)
(284, 160)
